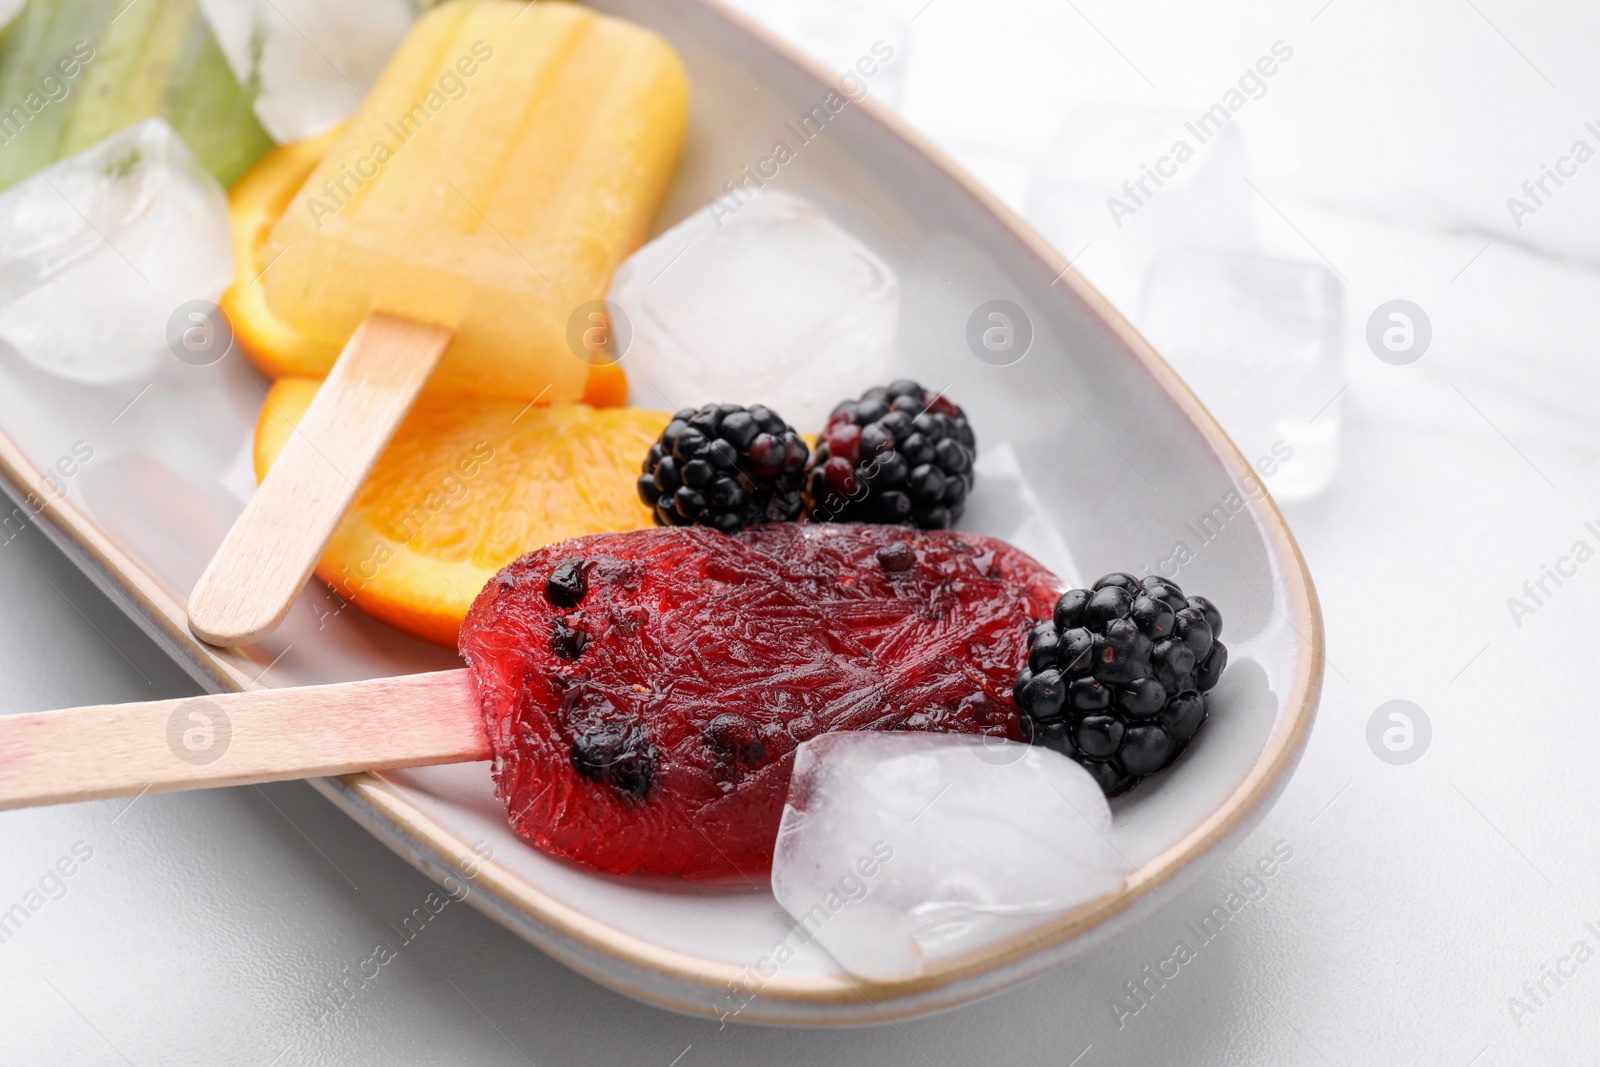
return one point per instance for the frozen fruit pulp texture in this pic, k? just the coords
(130, 62)
(497, 210)
(665, 745)
(255, 203)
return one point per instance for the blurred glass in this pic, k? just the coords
(1121, 184)
(841, 34)
(1259, 341)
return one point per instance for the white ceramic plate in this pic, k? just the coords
(1092, 447)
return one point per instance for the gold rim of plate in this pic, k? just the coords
(382, 808)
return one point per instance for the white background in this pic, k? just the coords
(1419, 899)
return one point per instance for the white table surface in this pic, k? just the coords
(1423, 905)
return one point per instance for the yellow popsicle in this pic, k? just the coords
(507, 160)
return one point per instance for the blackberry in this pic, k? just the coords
(567, 584)
(618, 755)
(735, 738)
(724, 466)
(1118, 678)
(898, 455)
(567, 636)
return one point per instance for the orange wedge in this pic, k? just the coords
(255, 202)
(467, 485)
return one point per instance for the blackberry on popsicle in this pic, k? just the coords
(644, 716)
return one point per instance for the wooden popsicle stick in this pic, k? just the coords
(265, 735)
(264, 562)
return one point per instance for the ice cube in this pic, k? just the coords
(897, 849)
(98, 251)
(1098, 191)
(310, 61)
(768, 301)
(1260, 342)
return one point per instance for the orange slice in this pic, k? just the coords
(467, 485)
(255, 202)
(606, 386)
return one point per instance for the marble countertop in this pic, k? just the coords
(1444, 910)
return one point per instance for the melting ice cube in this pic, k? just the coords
(900, 848)
(767, 302)
(98, 251)
(311, 62)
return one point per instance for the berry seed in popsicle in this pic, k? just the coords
(644, 715)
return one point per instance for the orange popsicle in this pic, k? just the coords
(507, 160)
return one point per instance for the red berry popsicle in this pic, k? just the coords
(644, 692)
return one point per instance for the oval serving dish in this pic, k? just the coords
(1094, 457)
